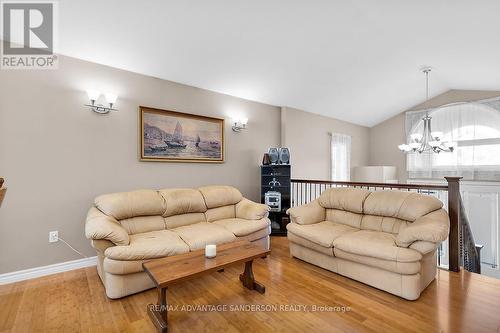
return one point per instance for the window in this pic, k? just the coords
(475, 127)
(341, 156)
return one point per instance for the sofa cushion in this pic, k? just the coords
(182, 201)
(220, 213)
(176, 221)
(375, 244)
(125, 205)
(403, 205)
(241, 227)
(149, 245)
(140, 224)
(256, 235)
(310, 245)
(198, 235)
(322, 233)
(217, 196)
(344, 198)
(395, 266)
(344, 217)
(249, 210)
(392, 225)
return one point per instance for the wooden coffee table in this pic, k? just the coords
(170, 270)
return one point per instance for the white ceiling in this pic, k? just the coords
(356, 60)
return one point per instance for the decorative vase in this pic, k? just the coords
(266, 160)
(284, 155)
(273, 155)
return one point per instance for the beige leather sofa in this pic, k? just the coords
(129, 228)
(387, 239)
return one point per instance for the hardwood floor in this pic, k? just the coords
(75, 301)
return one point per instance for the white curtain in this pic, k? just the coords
(475, 127)
(341, 156)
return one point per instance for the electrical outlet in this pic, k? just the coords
(53, 236)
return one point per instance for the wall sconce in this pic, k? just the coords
(239, 124)
(99, 108)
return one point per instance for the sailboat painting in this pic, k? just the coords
(172, 136)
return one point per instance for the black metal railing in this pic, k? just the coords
(470, 252)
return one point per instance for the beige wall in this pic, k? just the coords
(384, 140)
(56, 155)
(386, 136)
(307, 136)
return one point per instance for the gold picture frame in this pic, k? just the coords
(172, 136)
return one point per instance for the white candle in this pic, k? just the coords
(210, 251)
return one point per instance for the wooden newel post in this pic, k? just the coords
(454, 214)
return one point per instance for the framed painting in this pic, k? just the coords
(170, 136)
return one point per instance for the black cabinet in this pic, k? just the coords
(276, 178)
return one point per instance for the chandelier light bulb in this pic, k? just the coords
(403, 147)
(416, 137)
(434, 144)
(450, 145)
(437, 135)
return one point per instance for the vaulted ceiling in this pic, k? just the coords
(355, 60)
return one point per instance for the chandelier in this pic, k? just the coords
(428, 141)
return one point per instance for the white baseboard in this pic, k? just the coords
(32, 273)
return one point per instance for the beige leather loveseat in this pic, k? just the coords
(129, 228)
(387, 239)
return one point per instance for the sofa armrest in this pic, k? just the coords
(101, 226)
(100, 245)
(424, 247)
(433, 227)
(307, 214)
(249, 210)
